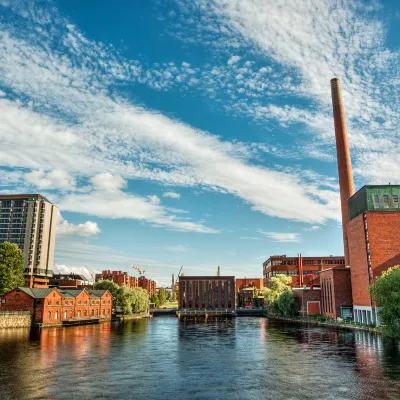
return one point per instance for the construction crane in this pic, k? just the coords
(140, 270)
(179, 274)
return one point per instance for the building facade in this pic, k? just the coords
(307, 301)
(242, 283)
(54, 306)
(374, 243)
(147, 284)
(69, 281)
(303, 270)
(336, 293)
(207, 292)
(118, 277)
(29, 221)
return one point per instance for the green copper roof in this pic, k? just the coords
(380, 198)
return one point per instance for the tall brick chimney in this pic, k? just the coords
(346, 182)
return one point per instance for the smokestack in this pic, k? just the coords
(218, 271)
(173, 281)
(346, 182)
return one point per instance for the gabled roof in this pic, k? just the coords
(97, 293)
(71, 292)
(37, 293)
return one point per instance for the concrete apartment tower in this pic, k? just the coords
(346, 182)
(29, 221)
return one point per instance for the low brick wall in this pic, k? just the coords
(14, 320)
(133, 316)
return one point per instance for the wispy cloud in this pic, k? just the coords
(66, 120)
(172, 195)
(177, 248)
(282, 237)
(312, 228)
(65, 228)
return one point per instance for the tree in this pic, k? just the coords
(162, 296)
(140, 301)
(386, 291)
(112, 287)
(11, 267)
(279, 285)
(154, 299)
(285, 304)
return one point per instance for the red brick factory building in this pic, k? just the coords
(370, 222)
(207, 292)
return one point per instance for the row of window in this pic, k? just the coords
(386, 201)
(9, 203)
(327, 295)
(78, 314)
(305, 262)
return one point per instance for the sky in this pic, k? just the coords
(194, 132)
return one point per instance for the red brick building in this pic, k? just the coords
(54, 306)
(250, 297)
(307, 301)
(303, 270)
(207, 292)
(374, 242)
(242, 283)
(336, 293)
(147, 284)
(69, 281)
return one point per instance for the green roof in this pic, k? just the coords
(379, 198)
(71, 292)
(36, 292)
(97, 293)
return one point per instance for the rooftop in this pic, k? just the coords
(22, 196)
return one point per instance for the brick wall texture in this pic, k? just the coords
(384, 241)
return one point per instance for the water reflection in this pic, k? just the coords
(246, 358)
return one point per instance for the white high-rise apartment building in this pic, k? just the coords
(29, 220)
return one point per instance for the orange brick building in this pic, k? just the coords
(374, 242)
(54, 306)
(307, 301)
(303, 270)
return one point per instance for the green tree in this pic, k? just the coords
(140, 301)
(279, 285)
(11, 267)
(285, 304)
(386, 291)
(162, 296)
(154, 299)
(113, 288)
(255, 297)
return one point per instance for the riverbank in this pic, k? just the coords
(313, 321)
(127, 317)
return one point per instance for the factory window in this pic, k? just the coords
(395, 201)
(376, 201)
(385, 201)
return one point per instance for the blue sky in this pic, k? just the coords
(194, 132)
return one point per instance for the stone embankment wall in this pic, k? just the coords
(133, 316)
(15, 320)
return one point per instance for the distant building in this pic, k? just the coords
(207, 292)
(303, 270)
(50, 306)
(249, 282)
(118, 277)
(70, 281)
(147, 284)
(29, 220)
(374, 242)
(250, 297)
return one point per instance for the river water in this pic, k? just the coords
(163, 358)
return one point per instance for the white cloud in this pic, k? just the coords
(83, 271)
(65, 228)
(108, 182)
(282, 237)
(233, 60)
(112, 134)
(118, 205)
(173, 195)
(312, 228)
(249, 238)
(55, 179)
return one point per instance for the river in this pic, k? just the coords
(163, 358)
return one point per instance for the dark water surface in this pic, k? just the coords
(163, 358)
